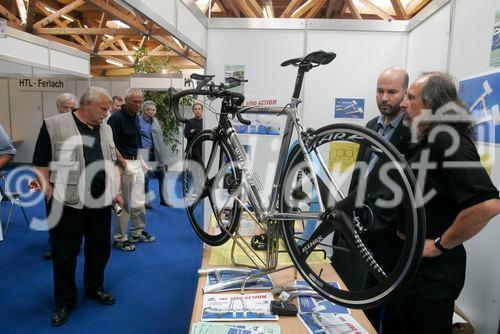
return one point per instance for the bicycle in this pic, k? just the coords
(308, 207)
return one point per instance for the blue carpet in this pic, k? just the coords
(154, 285)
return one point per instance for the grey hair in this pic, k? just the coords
(93, 94)
(132, 90)
(440, 91)
(65, 97)
(148, 104)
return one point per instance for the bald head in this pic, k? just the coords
(391, 88)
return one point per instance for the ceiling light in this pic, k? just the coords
(131, 58)
(113, 62)
(108, 36)
(135, 48)
(164, 71)
(116, 24)
(50, 10)
(67, 18)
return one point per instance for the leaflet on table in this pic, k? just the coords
(234, 328)
(261, 283)
(331, 323)
(229, 307)
(319, 305)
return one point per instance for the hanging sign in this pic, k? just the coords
(42, 84)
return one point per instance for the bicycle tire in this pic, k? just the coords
(205, 187)
(300, 244)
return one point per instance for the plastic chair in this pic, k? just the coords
(13, 199)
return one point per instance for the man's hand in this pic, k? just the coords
(430, 249)
(119, 199)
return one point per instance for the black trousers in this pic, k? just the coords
(427, 305)
(66, 238)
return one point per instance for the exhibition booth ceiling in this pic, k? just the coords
(110, 31)
(321, 9)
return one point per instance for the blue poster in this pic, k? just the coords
(319, 305)
(349, 108)
(482, 95)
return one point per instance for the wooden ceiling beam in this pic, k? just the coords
(30, 16)
(98, 38)
(414, 6)
(66, 9)
(399, 9)
(230, 4)
(126, 18)
(329, 10)
(290, 8)
(376, 9)
(245, 8)
(352, 8)
(303, 9)
(67, 43)
(106, 53)
(85, 31)
(9, 16)
(21, 9)
(257, 9)
(314, 11)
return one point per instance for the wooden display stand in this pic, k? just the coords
(283, 277)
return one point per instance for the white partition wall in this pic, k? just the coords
(361, 56)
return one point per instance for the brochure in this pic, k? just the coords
(259, 283)
(230, 307)
(319, 305)
(331, 323)
(234, 328)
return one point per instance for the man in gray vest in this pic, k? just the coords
(75, 160)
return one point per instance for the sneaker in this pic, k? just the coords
(144, 237)
(124, 245)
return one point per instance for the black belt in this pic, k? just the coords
(129, 157)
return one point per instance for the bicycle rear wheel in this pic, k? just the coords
(372, 228)
(211, 181)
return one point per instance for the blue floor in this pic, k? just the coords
(154, 285)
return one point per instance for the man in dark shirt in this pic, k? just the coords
(193, 127)
(460, 200)
(127, 137)
(74, 213)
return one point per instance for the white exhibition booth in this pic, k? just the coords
(453, 36)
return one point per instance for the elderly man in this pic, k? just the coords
(65, 102)
(70, 145)
(155, 150)
(462, 201)
(126, 134)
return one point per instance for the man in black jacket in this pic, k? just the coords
(380, 238)
(193, 127)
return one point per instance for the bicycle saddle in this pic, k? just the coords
(314, 58)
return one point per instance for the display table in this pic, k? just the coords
(284, 277)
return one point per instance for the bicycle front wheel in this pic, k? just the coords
(212, 181)
(370, 225)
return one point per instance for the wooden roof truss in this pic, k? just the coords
(107, 31)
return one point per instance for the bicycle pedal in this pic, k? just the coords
(259, 242)
(283, 308)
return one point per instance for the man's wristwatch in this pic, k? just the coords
(438, 245)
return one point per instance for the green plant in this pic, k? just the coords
(169, 124)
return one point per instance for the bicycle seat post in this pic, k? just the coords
(298, 82)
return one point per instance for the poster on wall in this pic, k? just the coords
(481, 93)
(235, 71)
(261, 124)
(349, 108)
(495, 42)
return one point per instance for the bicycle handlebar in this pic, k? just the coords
(235, 98)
